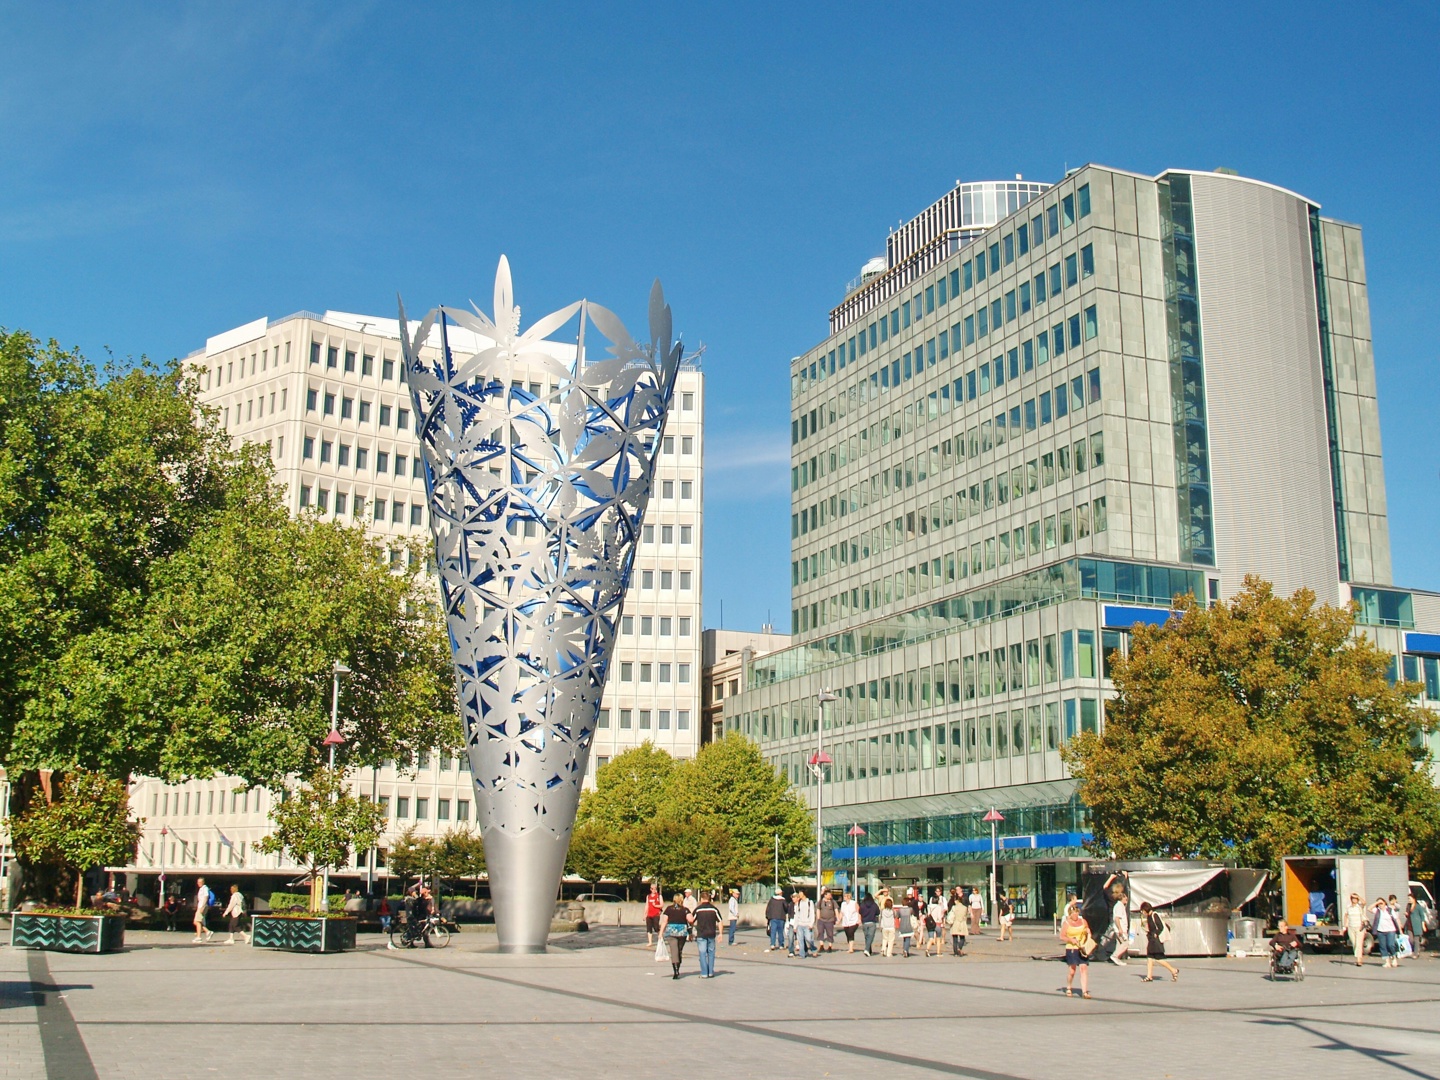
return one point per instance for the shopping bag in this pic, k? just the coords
(661, 952)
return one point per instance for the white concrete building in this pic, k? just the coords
(326, 393)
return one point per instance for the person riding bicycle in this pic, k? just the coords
(420, 906)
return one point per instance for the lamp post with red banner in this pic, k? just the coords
(855, 833)
(994, 817)
(818, 761)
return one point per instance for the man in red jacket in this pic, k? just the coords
(654, 904)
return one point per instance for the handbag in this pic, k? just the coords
(1088, 946)
(1164, 931)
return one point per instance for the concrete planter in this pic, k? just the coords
(302, 935)
(67, 933)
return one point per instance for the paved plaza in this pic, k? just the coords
(598, 1006)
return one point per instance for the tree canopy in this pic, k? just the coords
(712, 819)
(317, 824)
(85, 824)
(165, 615)
(1254, 729)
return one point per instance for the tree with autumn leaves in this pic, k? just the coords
(1254, 729)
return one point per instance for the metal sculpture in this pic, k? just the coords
(536, 503)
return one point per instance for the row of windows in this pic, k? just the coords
(627, 720)
(319, 499)
(1057, 466)
(169, 803)
(367, 362)
(969, 274)
(652, 672)
(1020, 360)
(1036, 663)
(667, 534)
(402, 805)
(251, 412)
(326, 402)
(659, 625)
(223, 374)
(1046, 534)
(1024, 417)
(340, 455)
(937, 461)
(988, 737)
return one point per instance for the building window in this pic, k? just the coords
(684, 626)
(402, 419)
(347, 408)
(387, 370)
(315, 352)
(397, 512)
(307, 448)
(379, 509)
(462, 810)
(349, 361)
(367, 365)
(384, 415)
(604, 719)
(415, 513)
(682, 720)
(422, 809)
(686, 489)
(329, 409)
(310, 399)
(364, 411)
(442, 810)
(626, 721)
(683, 673)
(326, 450)
(402, 807)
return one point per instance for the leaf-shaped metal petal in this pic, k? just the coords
(504, 297)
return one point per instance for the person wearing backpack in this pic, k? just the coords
(235, 911)
(204, 898)
(1155, 944)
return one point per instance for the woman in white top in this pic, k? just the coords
(1355, 922)
(235, 911)
(849, 919)
(936, 913)
(887, 928)
(1386, 928)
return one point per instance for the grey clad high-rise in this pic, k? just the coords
(1045, 412)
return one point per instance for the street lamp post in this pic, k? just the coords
(333, 740)
(817, 766)
(855, 833)
(994, 817)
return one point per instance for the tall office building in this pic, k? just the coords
(326, 394)
(1026, 432)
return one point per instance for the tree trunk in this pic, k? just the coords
(79, 889)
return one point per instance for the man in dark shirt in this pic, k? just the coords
(1285, 946)
(707, 928)
(775, 917)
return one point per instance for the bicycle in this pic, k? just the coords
(432, 932)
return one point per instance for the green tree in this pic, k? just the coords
(164, 615)
(319, 823)
(591, 854)
(1254, 729)
(730, 784)
(87, 824)
(412, 855)
(629, 788)
(462, 855)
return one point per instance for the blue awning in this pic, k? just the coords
(1120, 617)
(1422, 644)
(922, 851)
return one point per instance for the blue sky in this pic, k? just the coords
(172, 171)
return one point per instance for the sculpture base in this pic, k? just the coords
(527, 950)
(525, 872)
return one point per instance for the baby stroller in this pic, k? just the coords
(1287, 964)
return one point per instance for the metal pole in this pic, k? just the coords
(777, 862)
(819, 797)
(856, 884)
(334, 716)
(993, 873)
(375, 847)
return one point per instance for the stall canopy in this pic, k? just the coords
(1164, 887)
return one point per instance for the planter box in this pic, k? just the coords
(302, 935)
(67, 933)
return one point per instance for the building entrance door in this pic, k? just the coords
(1045, 891)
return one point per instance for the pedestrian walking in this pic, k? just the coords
(804, 925)
(935, 923)
(957, 919)
(775, 920)
(869, 922)
(1120, 928)
(849, 920)
(1415, 924)
(690, 902)
(706, 920)
(1386, 928)
(235, 911)
(654, 904)
(905, 928)
(888, 924)
(826, 913)
(732, 915)
(1356, 923)
(677, 919)
(204, 898)
(1155, 944)
(1079, 944)
(386, 915)
(790, 924)
(1005, 915)
(977, 910)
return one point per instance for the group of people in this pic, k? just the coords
(204, 901)
(802, 928)
(1081, 944)
(1397, 933)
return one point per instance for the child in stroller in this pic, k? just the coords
(1285, 959)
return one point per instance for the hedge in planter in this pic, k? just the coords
(67, 932)
(302, 933)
